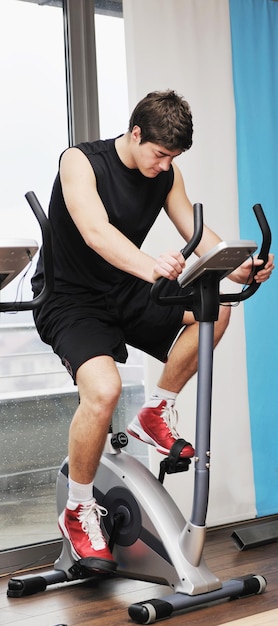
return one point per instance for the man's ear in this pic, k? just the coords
(136, 133)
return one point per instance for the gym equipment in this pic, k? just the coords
(16, 254)
(256, 535)
(149, 537)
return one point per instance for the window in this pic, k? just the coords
(111, 73)
(34, 131)
(37, 397)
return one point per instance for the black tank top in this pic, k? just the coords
(132, 202)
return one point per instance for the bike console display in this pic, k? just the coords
(224, 258)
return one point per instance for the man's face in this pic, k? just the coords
(152, 159)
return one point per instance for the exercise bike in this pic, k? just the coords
(146, 531)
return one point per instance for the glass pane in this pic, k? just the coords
(33, 414)
(111, 74)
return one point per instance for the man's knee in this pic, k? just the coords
(225, 313)
(223, 318)
(104, 397)
(108, 392)
(99, 387)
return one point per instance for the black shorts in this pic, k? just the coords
(80, 327)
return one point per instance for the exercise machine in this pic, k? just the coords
(17, 254)
(146, 531)
(257, 535)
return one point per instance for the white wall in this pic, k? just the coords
(185, 45)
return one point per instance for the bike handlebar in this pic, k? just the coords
(186, 252)
(263, 254)
(192, 244)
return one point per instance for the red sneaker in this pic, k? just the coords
(82, 529)
(156, 425)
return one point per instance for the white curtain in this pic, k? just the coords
(185, 45)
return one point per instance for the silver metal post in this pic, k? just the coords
(203, 422)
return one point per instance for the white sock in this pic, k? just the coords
(159, 394)
(79, 493)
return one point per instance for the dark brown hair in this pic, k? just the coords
(164, 118)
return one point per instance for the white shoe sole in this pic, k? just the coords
(135, 429)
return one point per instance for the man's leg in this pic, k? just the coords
(99, 387)
(157, 420)
(183, 358)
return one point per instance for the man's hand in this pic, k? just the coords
(244, 275)
(170, 265)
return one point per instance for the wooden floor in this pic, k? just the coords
(106, 603)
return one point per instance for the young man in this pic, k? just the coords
(105, 199)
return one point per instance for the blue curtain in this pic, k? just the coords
(254, 32)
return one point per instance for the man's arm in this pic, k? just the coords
(180, 212)
(90, 217)
(244, 274)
